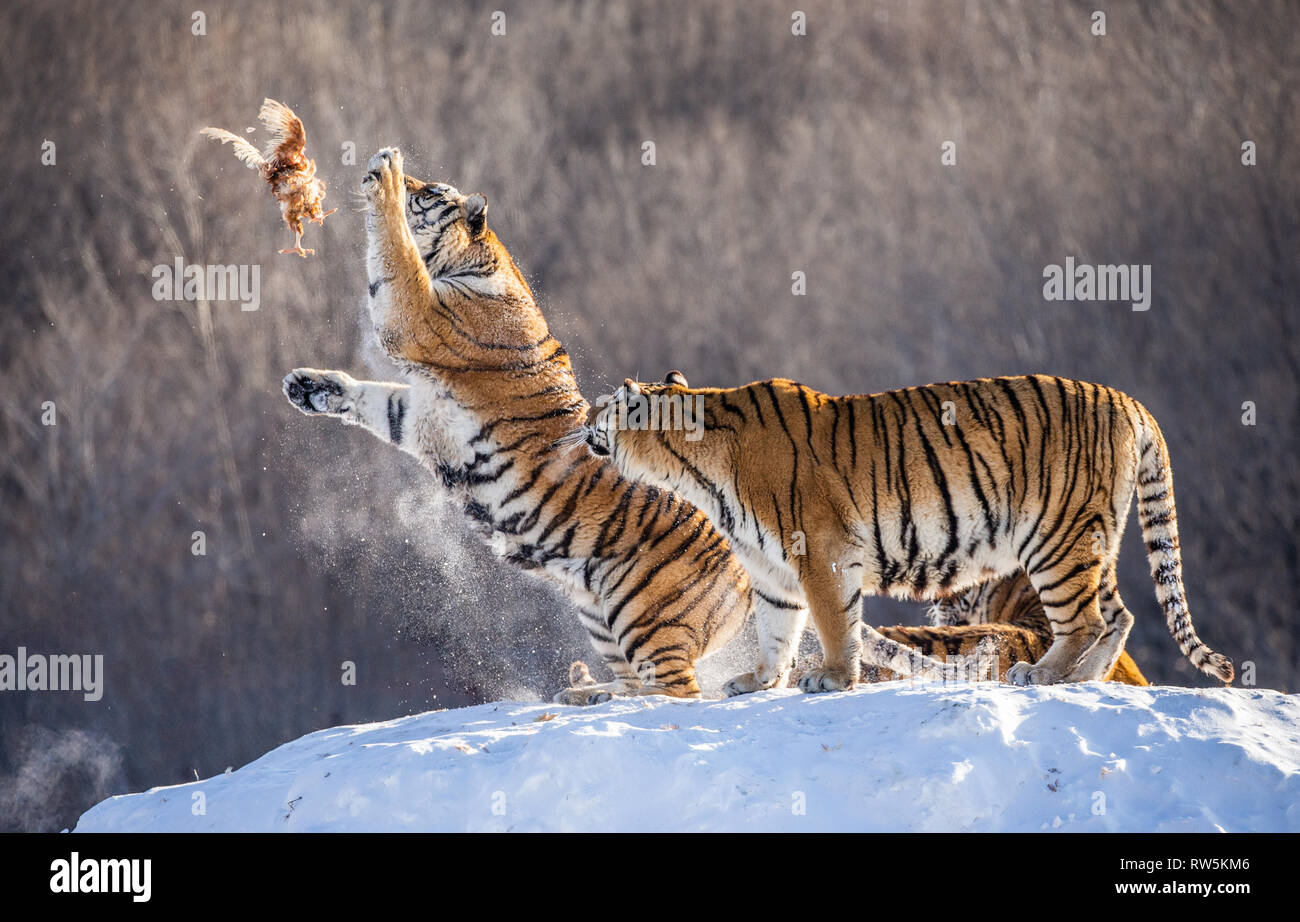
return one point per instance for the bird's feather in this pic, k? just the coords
(243, 150)
(289, 137)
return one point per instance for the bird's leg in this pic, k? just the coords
(297, 245)
(321, 219)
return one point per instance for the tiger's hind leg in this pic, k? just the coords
(1098, 663)
(666, 671)
(662, 665)
(780, 626)
(1069, 585)
(583, 689)
(593, 692)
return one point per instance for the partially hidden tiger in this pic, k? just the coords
(920, 493)
(487, 392)
(1006, 615)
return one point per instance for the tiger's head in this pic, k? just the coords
(450, 228)
(471, 306)
(654, 432)
(452, 234)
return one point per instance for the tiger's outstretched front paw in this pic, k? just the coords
(384, 184)
(815, 681)
(313, 391)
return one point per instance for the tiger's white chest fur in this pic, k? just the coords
(448, 436)
(444, 429)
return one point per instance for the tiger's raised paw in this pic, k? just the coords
(384, 183)
(313, 391)
(816, 681)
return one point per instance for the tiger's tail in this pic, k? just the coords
(1159, 523)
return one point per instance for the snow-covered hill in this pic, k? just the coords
(1088, 758)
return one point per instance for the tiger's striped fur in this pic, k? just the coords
(1003, 644)
(922, 493)
(488, 391)
(1006, 611)
(1006, 644)
(1010, 601)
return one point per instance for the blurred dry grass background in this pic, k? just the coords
(775, 153)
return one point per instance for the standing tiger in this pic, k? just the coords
(920, 493)
(488, 392)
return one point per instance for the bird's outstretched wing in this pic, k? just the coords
(289, 137)
(243, 150)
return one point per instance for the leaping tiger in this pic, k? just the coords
(488, 391)
(921, 493)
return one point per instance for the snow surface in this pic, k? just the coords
(1091, 757)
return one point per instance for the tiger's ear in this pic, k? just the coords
(632, 387)
(476, 211)
(675, 377)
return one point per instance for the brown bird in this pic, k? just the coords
(289, 171)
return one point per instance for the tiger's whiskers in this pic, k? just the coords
(570, 439)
